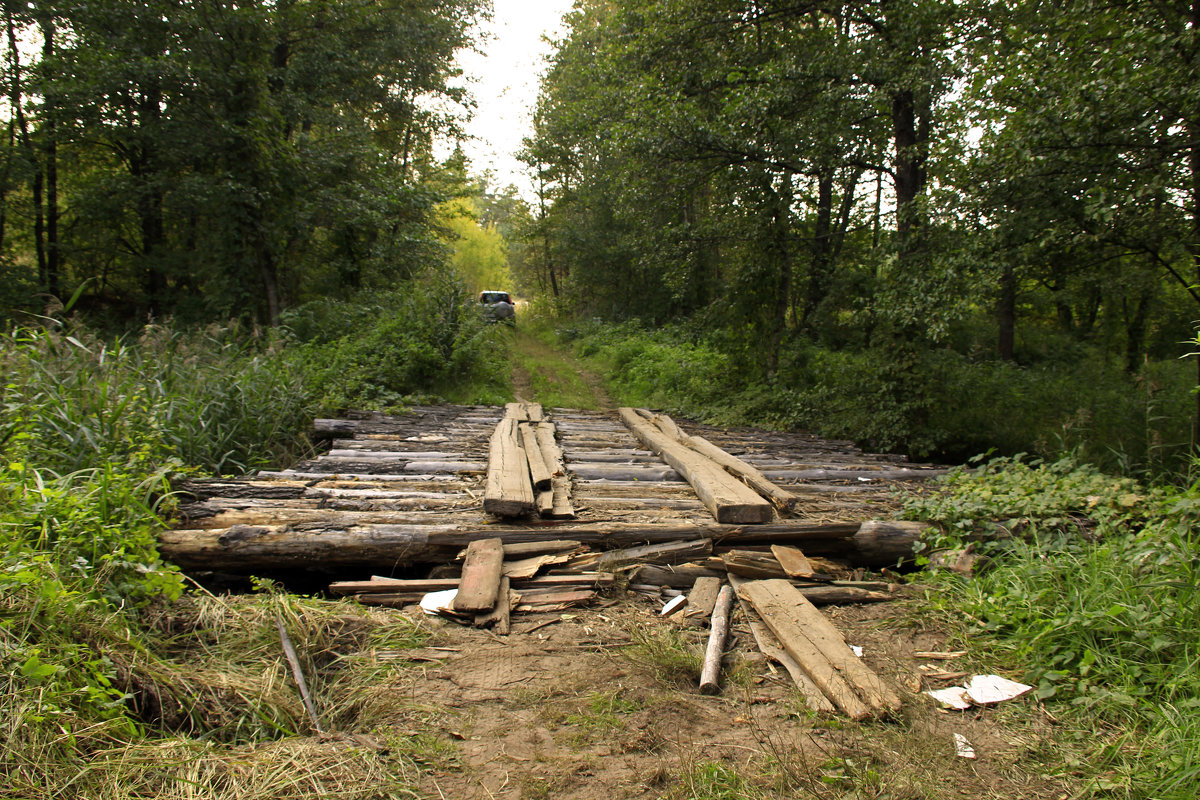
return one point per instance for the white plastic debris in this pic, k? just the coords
(674, 604)
(857, 650)
(963, 748)
(981, 690)
(437, 603)
(954, 697)
(986, 689)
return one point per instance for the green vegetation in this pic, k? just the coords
(910, 224)
(1090, 588)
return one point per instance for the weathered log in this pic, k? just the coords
(509, 492)
(888, 543)
(480, 585)
(853, 474)
(718, 632)
(729, 500)
(621, 472)
(752, 564)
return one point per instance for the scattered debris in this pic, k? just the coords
(980, 690)
(963, 748)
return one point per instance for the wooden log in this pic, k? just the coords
(819, 647)
(781, 499)
(479, 588)
(250, 548)
(677, 576)
(509, 492)
(902, 474)
(729, 500)
(623, 472)
(539, 473)
(888, 543)
(702, 599)
(711, 672)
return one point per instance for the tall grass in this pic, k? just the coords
(113, 683)
(1094, 595)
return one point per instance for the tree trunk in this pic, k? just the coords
(1006, 312)
(50, 131)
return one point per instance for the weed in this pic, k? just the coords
(674, 655)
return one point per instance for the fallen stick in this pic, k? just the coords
(289, 651)
(711, 672)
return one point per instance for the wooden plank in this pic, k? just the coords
(668, 553)
(793, 561)
(819, 647)
(729, 500)
(528, 567)
(498, 618)
(509, 492)
(770, 647)
(561, 485)
(539, 472)
(398, 585)
(480, 585)
(547, 601)
(702, 599)
(718, 632)
(517, 411)
(780, 498)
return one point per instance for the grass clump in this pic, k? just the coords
(1094, 596)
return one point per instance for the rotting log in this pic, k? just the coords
(247, 548)
(509, 492)
(729, 500)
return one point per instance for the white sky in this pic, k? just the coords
(504, 82)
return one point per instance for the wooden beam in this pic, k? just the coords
(509, 492)
(480, 585)
(729, 500)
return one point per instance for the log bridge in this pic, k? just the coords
(397, 491)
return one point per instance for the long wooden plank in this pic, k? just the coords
(780, 498)
(509, 491)
(819, 647)
(401, 585)
(552, 455)
(777, 614)
(793, 561)
(498, 618)
(480, 585)
(729, 500)
(539, 472)
(770, 647)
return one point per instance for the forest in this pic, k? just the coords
(965, 231)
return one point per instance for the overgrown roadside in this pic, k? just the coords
(546, 374)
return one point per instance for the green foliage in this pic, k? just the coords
(384, 350)
(1095, 600)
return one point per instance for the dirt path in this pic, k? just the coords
(553, 377)
(602, 705)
